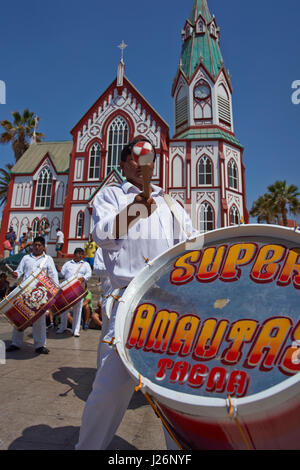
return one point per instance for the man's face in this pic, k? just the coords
(38, 248)
(78, 257)
(133, 171)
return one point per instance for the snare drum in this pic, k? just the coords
(71, 292)
(30, 300)
(209, 330)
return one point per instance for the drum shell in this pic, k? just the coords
(71, 292)
(266, 420)
(14, 306)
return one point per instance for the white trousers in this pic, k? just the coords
(108, 401)
(77, 312)
(38, 333)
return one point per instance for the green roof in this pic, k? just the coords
(59, 152)
(208, 134)
(201, 46)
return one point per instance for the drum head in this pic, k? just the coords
(217, 316)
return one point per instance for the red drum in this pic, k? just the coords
(30, 300)
(211, 332)
(71, 291)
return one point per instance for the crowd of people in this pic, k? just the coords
(80, 314)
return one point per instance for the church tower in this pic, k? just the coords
(205, 170)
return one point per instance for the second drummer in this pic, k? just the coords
(29, 264)
(77, 266)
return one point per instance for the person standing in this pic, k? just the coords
(29, 264)
(11, 237)
(45, 232)
(82, 270)
(129, 227)
(90, 250)
(59, 243)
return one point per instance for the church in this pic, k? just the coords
(201, 165)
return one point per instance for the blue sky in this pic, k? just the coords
(58, 56)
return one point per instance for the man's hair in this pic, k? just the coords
(78, 250)
(39, 240)
(128, 148)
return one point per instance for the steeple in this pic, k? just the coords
(200, 38)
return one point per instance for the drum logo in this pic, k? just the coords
(36, 298)
(216, 352)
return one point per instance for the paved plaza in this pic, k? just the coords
(43, 396)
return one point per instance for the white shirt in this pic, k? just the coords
(30, 264)
(60, 236)
(101, 271)
(148, 238)
(81, 269)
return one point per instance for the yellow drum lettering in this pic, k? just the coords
(140, 326)
(268, 345)
(239, 254)
(185, 270)
(240, 332)
(267, 265)
(212, 333)
(210, 264)
(161, 331)
(291, 270)
(184, 335)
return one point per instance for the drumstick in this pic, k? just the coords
(9, 268)
(145, 156)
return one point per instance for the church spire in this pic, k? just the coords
(200, 42)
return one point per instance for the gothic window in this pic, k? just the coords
(35, 227)
(233, 175)
(44, 189)
(206, 218)
(118, 136)
(200, 27)
(80, 225)
(205, 171)
(94, 163)
(234, 216)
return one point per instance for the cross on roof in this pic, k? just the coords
(122, 46)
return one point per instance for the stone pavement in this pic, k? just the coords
(42, 397)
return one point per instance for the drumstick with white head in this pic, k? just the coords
(143, 151)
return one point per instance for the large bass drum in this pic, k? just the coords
(210, 331)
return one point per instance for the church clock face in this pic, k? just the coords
(202, 91)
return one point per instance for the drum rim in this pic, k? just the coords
(184, 402)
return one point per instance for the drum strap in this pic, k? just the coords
(232, 411)
(158, 413)
(169, 201)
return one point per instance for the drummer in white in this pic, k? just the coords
(81, 269)
(29, 264)
(130, 229)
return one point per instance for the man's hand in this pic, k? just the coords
(140, 208)
(15, 274)
(149, 204)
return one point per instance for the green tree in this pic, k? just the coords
(20, 131)
(285, 197)
(5, 177)
(265, 210)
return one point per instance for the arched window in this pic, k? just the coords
(44, 189)
(233, 174)
(234, 216)
(205, 171)
(118, 136)
(35, 227)
(206, 218)
(80, 225)
(94, 163)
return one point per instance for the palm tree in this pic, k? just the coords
(20, 131)
(285, 197)
(5, 177)
(264, 209)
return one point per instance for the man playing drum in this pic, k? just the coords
(28, 265)
(131, 229)
(81, 269)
